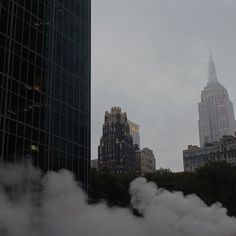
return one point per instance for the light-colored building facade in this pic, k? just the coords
(134, 131)
(224, 150)
(216, 113)
(145, 161)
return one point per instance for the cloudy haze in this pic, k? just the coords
(150, 57)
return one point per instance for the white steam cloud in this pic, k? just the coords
(32, 205)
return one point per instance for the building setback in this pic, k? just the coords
(116, 149)
(224, 150)
(45, 84)
(216, 113)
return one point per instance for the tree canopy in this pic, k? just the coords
(214, 182)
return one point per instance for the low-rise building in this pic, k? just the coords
(224, 150)
(145, 161)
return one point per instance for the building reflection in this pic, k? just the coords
(45, 84)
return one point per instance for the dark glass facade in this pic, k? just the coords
(45, 83)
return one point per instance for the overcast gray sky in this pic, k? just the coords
(150, 57)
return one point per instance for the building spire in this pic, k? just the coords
(212, 70)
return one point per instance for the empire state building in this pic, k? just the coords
(216, 112)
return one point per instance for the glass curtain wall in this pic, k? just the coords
(45, 84)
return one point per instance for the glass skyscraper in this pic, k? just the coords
(45, 83)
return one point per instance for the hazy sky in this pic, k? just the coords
(150, 57)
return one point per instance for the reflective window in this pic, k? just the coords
(45, 83)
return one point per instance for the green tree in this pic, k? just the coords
(214, 182)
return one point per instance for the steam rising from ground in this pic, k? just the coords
(54, 205)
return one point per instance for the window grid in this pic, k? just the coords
(48, 94)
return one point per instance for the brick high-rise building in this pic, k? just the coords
(116, 149)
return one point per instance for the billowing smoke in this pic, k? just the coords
(33, 205)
